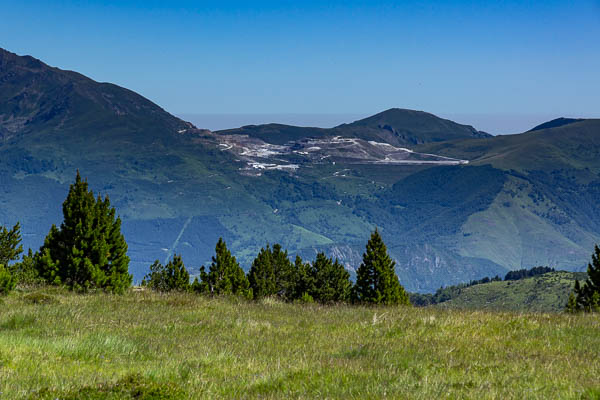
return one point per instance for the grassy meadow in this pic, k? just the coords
(59, 345)
(543, 293)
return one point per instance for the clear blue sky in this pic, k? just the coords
(465, 58)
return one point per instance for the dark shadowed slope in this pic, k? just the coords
(37, 98)
(277, 133)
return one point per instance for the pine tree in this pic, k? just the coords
(271, 273)
(165, 278)
(576, 304)
(262, 274)
(117, 267)
(376, 279)
(225, 275)
(10, 250)
(88, 251)
(571, 304)
(587, 297)
(302, 281)
(283, 271)
(331, 280)
(10, 244)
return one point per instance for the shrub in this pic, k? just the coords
(306, 298)
(25, 272)
(7, 281)
(39, 298)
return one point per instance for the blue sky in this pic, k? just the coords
(493, 62)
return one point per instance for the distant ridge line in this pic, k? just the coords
(555, 123)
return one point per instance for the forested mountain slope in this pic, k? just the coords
(452, 203)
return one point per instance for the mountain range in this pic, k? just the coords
(452, 203)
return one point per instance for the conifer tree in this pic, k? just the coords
(165, 278)
(577, 304)
(10, 244)
(225, 275)
(376, 279)
(302, 280)
(10, 250)
(587, 296)
(262, 274)
(283, 271)
(88, 251)
(331, 280)
(271, 273)
(572, 303)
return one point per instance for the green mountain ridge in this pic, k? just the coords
(522, 200)
(571, 146)
(398, 127)
(544, 293)
(37, 99)
(555, 123)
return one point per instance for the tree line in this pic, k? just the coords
(446, 293)
(527, 273)
(273, 274)
(88, 251)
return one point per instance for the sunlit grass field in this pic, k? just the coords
(59, 345)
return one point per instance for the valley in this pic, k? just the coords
(299, 200)
(452, 203)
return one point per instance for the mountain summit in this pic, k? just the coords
(398, 127)
(555, 123)
(37, 98)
